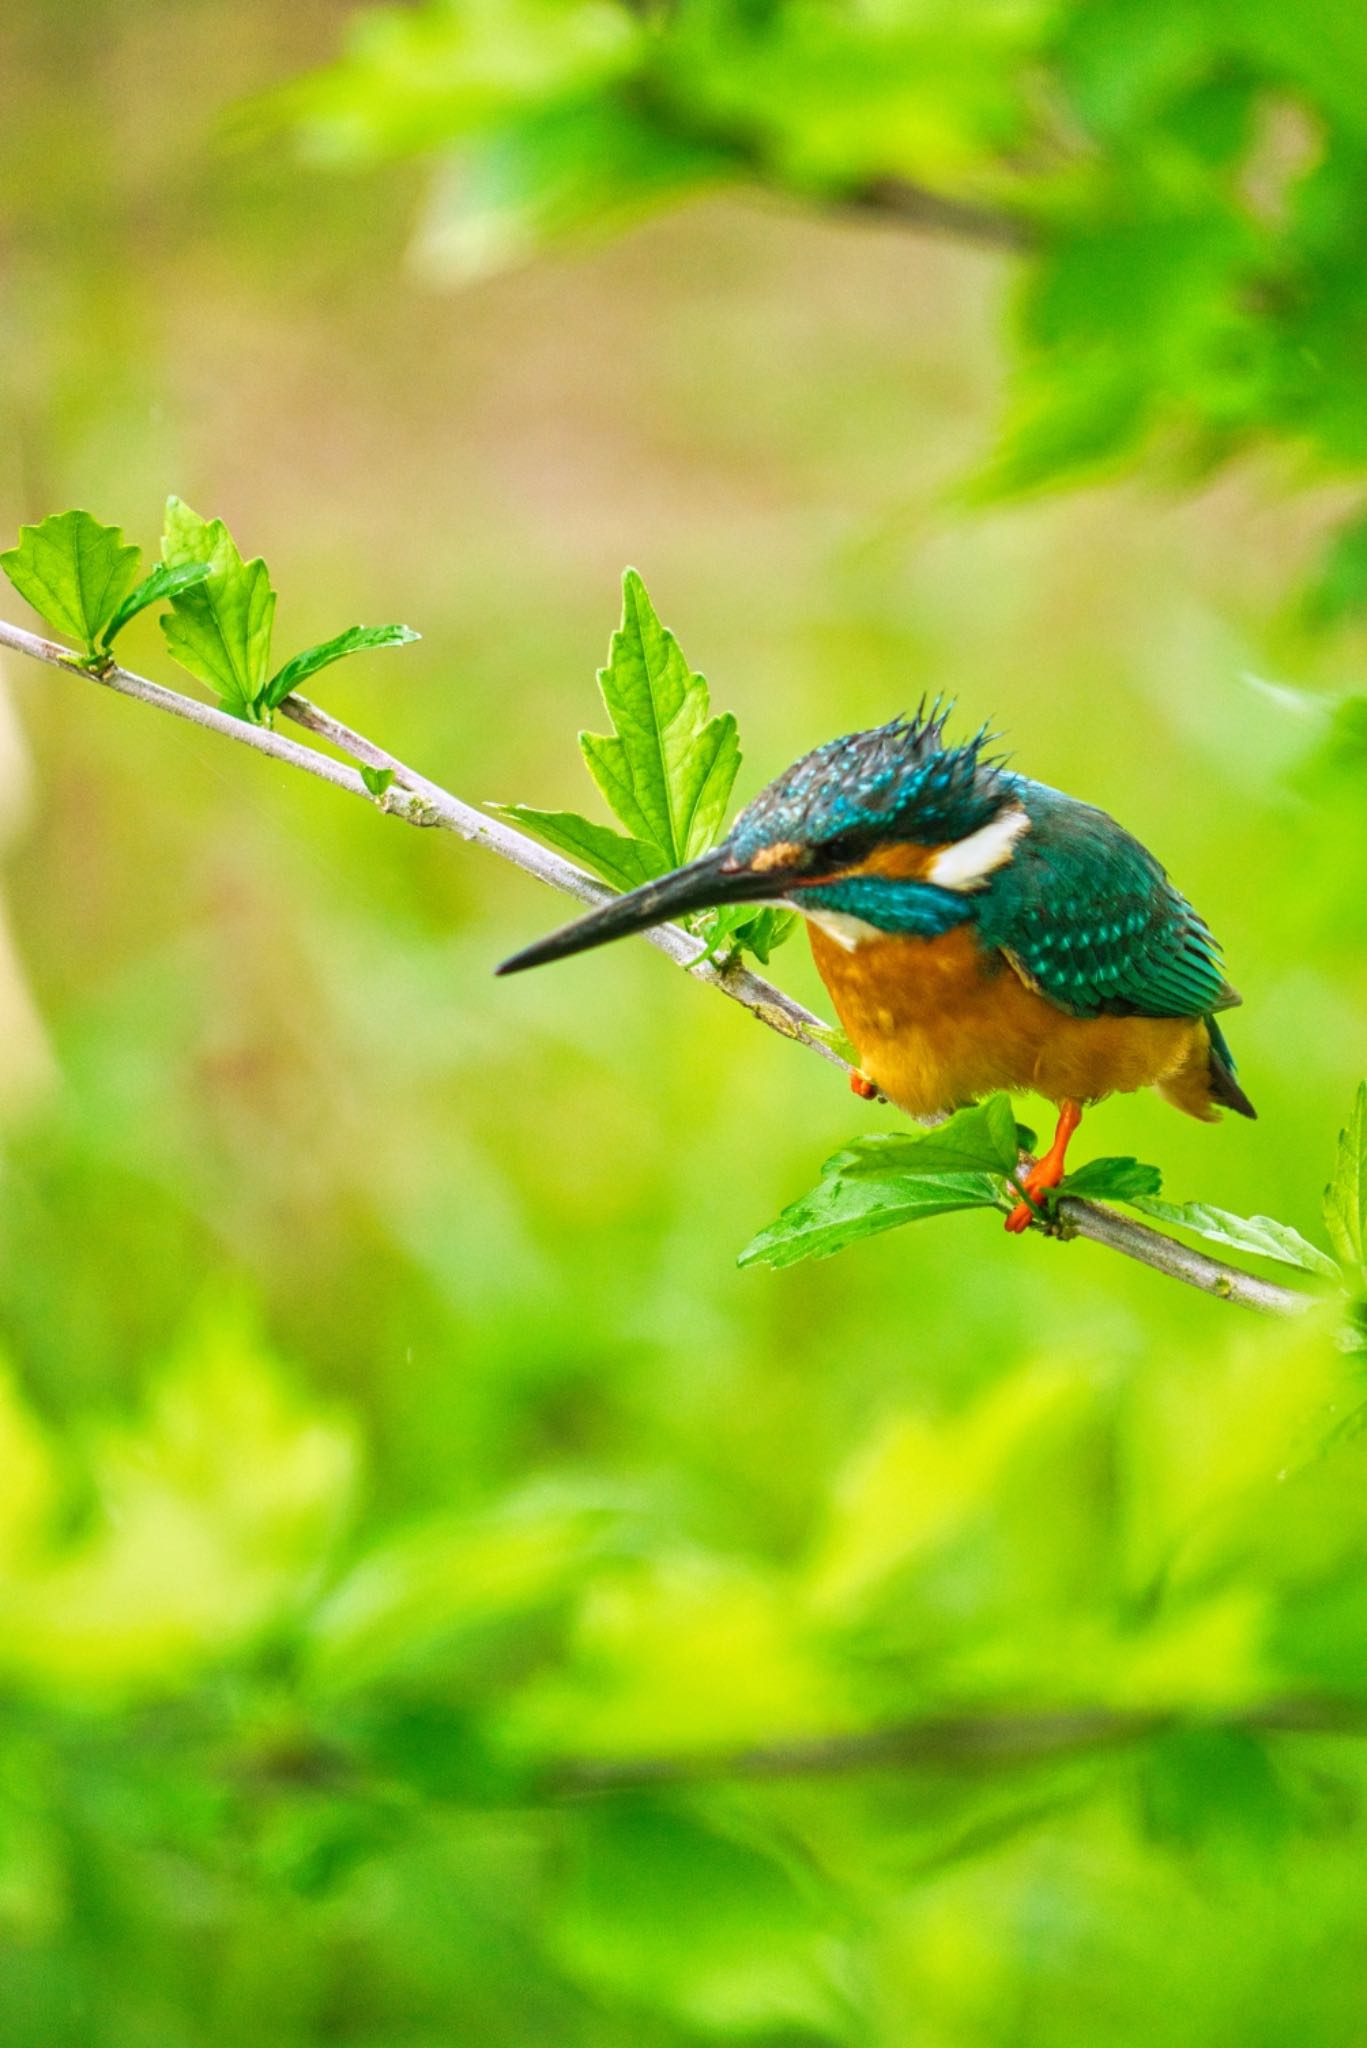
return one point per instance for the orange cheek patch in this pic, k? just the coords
(899, 861)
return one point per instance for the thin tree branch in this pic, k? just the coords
(957, 1742)
(901, 203)
(898, 201)
(1101, 1225)
(779, 1011)
(419, 801)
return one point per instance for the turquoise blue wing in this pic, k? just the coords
(1088, 917)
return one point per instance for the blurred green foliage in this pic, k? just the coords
(233, 1718)
(1186, 178)
(392, 1458)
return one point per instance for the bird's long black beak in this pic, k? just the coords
(702, 885)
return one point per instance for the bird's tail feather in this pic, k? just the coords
(1224, 1086)
(1204, 1083)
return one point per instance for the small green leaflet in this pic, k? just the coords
(377, 780)
(838, 1212)
(668, 769)
(764, 934)
(982, 1138)
(219, 629)
(620, 860)
(219, 626)
(1262, 1235)
(80, 576)
(163, 582)
(83, 578)
(74, 572)
(1110, 1179)
(354, 641)
(734, 925)
(1345, 1198)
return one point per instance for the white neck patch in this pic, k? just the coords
(849, 932)
(967, 864)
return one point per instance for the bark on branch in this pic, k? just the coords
(418, 801)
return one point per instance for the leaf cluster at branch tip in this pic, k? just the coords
(83, 579)
(220, 628)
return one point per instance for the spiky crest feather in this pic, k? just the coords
(896, 781)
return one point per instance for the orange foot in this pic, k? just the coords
(860, 1084)
(1048, 1171)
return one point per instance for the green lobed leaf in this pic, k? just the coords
(1262, 1235)
(220, 627)
(162, 582)
(377, 780)
(75, 573)
(668, 769)
(354, 640)
(982, 1137)
(622, 861)
(1112, 1179)
(838, 1212)
(1345, 1198)
(667, 772)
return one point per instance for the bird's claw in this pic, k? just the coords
(1034, 1206)
(1021, 1217)
(1026, 1213)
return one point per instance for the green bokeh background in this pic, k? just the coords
(389, 1417)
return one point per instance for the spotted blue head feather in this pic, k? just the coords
(895, 782)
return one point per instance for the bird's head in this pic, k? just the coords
(865, 832)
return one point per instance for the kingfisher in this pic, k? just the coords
(975, 930)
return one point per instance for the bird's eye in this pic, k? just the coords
(841, 852)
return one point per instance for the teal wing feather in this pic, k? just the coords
(1090, 919)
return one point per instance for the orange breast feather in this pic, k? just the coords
(941, 1022)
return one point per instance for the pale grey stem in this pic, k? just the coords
(1180, 1262)
(417, 801)
(420, 802)
(122, 680)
